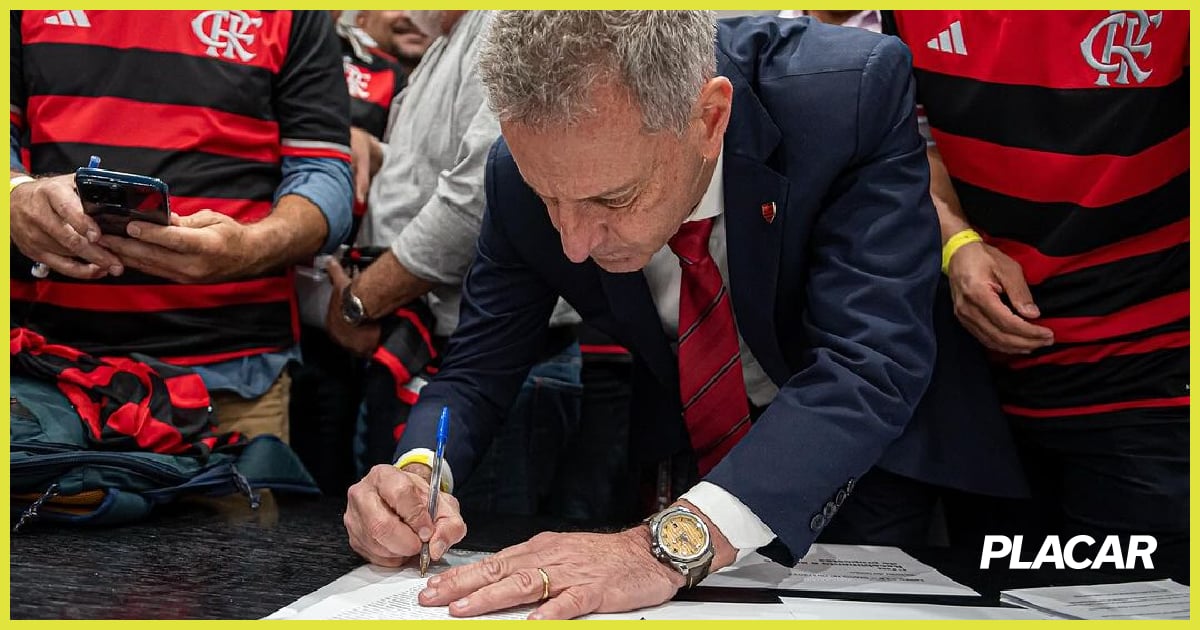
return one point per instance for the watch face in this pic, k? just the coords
(352, 308)
(683, 536)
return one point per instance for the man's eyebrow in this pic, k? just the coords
(607, 194)
(616, 191)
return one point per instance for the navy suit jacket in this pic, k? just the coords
(834, 296)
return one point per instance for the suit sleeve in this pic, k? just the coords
(868, 319)
(502, 326)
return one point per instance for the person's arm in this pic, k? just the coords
(435, 247)
(502, 327)
(325, 183)
(980, 274)
(868, 319)
(208, 246)
(951, 218)
(503, 321)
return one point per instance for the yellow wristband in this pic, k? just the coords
(956, 242)
(17, 181)
(425, 456)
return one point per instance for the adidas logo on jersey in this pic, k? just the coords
(69, 18)
(949, 40)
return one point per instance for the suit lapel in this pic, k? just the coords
(753, 246)
(752, 241)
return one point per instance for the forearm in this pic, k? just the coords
(950, 213)
(291, 234)
(386, 285)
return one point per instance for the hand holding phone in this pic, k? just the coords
(47, 224)
(113, 199)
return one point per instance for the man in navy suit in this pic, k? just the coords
(753, 225)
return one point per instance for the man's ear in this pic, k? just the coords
(715, 105)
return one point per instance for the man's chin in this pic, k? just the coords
(628, 264)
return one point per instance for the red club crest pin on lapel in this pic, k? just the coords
(768, 212)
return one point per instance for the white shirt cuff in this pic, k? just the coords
(744, 530)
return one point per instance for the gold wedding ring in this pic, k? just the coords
(545, 583)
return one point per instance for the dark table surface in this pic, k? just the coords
(217, 559)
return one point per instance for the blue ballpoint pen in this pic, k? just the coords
(435, 482)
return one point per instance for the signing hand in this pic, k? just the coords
(588, 573)
(387, 516)
(979, 274)
(203, 247)
(362, 339)
(49, 226)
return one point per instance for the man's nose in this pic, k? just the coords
(581, 231)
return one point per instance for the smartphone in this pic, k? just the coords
(113, 199)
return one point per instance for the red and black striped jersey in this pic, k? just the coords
(372, 82)
(207, 101)
(1066, 136)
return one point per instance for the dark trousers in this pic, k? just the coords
(325, 395)
(1085, 479)
(1113, 480)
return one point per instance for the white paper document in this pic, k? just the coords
(1162, 599)
(844, 569)
(371, 592)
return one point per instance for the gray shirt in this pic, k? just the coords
(427, 200)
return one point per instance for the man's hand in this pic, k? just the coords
(363, 339)
(387, 516)
(979, 274)
(50, 227)
(203, 247)
(588, 573)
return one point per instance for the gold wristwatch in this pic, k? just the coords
(680, 539)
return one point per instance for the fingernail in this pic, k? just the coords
(437, 549)
(462, 603)
(133, 230)
(424, 534)
(535, 615)
(429, 593)
(93, 236)
(115, 270)
(433, 581)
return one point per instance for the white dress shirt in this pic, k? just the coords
(744, 530)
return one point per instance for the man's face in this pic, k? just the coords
(395, 33)
(615, 193)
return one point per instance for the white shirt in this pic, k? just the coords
(744, 530)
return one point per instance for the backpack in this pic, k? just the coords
(97, 441)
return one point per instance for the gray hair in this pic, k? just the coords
(539, 67)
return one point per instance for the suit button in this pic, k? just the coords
(840, 498)
(817, 523)
(829, 510)
(850, 485)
